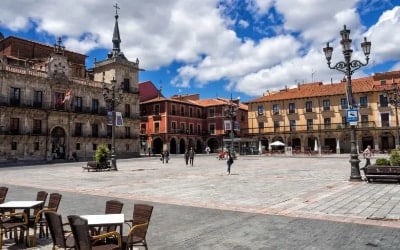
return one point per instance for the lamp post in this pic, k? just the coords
(187, 139)
(230, 112)
(113, 97)
(348, 67)
(394, 99)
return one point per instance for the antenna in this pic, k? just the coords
(312, 75)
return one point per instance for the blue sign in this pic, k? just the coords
(352, 115)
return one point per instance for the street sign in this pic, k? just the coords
(352, 115)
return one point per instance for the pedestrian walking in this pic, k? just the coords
(166, 156)
(229, 162)
(191, 156)
(186, 156)
(162, 157)
(208, 150)
(367, 156)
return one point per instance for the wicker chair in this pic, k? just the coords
(39, 222)
(85, 241)
(138, 226)
(3, 194)
(61, 238)
(8, 224)
(112, 207)
(41, 196)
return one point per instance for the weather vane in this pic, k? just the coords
(116, 8)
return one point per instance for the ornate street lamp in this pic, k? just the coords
(348, 67)
(231, 112)
(187, 139)
(394, 100)
(113, 97)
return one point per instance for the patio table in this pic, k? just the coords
(96, 220)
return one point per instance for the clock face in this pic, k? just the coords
(58, 65)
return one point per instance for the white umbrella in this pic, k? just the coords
(316, 145)
(337, 146)
(277, 143)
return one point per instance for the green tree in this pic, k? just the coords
(101, 153)
(395, 157)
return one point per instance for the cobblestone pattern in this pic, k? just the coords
(298, 187)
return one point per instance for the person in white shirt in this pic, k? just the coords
(367, 156)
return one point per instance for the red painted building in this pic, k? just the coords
(183, 121)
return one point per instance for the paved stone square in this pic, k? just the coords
(268, 202)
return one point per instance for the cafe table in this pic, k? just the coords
(26, 205)
(98, 220)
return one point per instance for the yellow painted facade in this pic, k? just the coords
(312, 117)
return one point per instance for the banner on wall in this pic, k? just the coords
(119, 121)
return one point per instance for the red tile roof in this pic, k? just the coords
(147, 91)
(364, 84)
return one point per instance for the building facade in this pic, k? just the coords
(185, 121)
(52, 107)
(312, 117)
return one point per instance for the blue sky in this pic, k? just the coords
(215, 48)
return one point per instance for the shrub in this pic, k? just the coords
(395, 157)
(101, 154)
(382, 162)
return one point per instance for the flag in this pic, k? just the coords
(67, 97)
(118, 119)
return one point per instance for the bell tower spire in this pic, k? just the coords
(116, 40)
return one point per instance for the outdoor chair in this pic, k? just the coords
(8, 224)
(61, 237)
(39, 222)
(40, 196)
(112, 207)
(3, 194)
(138, 226)
(85, 241)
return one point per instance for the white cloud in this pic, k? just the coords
(243, 23)
(200, 36)
(385, 36)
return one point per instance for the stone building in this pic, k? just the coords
(52, 107)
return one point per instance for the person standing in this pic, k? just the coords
(367, 156)
(191, 156)
(208, 150)
(229, 162)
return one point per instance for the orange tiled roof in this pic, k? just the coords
(219, 101)
(364, 84)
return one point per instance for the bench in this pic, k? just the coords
(382, 173)
(95, 166)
